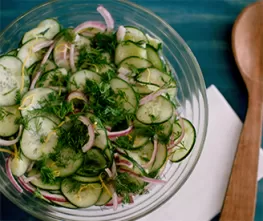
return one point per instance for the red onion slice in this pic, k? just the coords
(119, 133)
(90, 24)
(155, 149)
(42, 45)
(114, 169)
(108, 171)
(77, 95)
(152, 96)
(115, 201)
(119, 201)
(10, 175)
(91, 132)
(71, 58)
(107, 17)
(121, 33)
(43, 62)
(174, 143)
(12, 142)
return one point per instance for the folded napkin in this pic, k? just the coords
(201, 197)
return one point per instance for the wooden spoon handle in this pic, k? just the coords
(240, 199)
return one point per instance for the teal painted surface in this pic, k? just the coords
(206, 27)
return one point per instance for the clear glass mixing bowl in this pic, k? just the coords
(191, 96)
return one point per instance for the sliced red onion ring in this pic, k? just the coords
(77, 95)
(91, 132)
(179, 139)
(121, 33)
(107, 17)
(71, 58)
(10, 175)
(155, 149)
(43, 62)
(42, 45)
(108, 171)
(119, 133)
(45, 194)
(90, 24)
(131, 198)
(114, 169)
(110, 203)
(30, 166)
(12, 142)
(115, 201)
(125, 163)
(119, 150)
(143, 178)
(152, 96)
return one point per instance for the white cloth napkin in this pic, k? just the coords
(201, 197)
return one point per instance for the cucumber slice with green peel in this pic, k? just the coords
(31, 143)
(32, 100)
(37, 181)
(65, 162)
(8, 116)
(126, 93)
(183, 149)
(154, 58)
(86, 179)
(47, 28)
(94, 163)
(136, 62)
(78, 80)
(12, 52)
(81, 194)
(142, 88)
(49, 65)
(60, 54)
(53, 78)
(65, 204)
(101, 68)
(19, 165)
(167, 128)
(105, 197)
(134, 34)
(156, 111)
(11, 80)
(26, 54)
(160, 158)
(154, 78)
(128, 49)
(142, 155)
(154, 42)
(139, 140)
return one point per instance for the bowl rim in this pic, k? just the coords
(200, 77)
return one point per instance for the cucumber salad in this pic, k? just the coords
(88, 114)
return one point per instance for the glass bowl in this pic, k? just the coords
(191, 97)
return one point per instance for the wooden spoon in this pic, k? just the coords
(247, 45)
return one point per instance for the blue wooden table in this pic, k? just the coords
(206, 27)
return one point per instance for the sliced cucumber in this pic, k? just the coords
(19, 165)
(129, 49)
(12, 52)
(66, 162)
(183, 149)
(141, 88)
(53, 78)
(105, 197)
(156, 111)
(160, 158)
(38, 128)
(78, 80)
(65, 204)
(154, 42)
(50, 65)
(32, 100)
(60, 54)
(81, 195)
(134, 34)
(8, 116)
(34, 68)
(37, 181)
(82, 41)
(11, 80)
(139, 140)
(154, 78)
(26, 54)
(47, 28)
(101, 68)
(135, 62)
(86, 179)
(94, 163)
(154, 57)
(121, 87)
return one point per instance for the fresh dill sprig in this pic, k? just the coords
(18, 97)
(105, 42)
